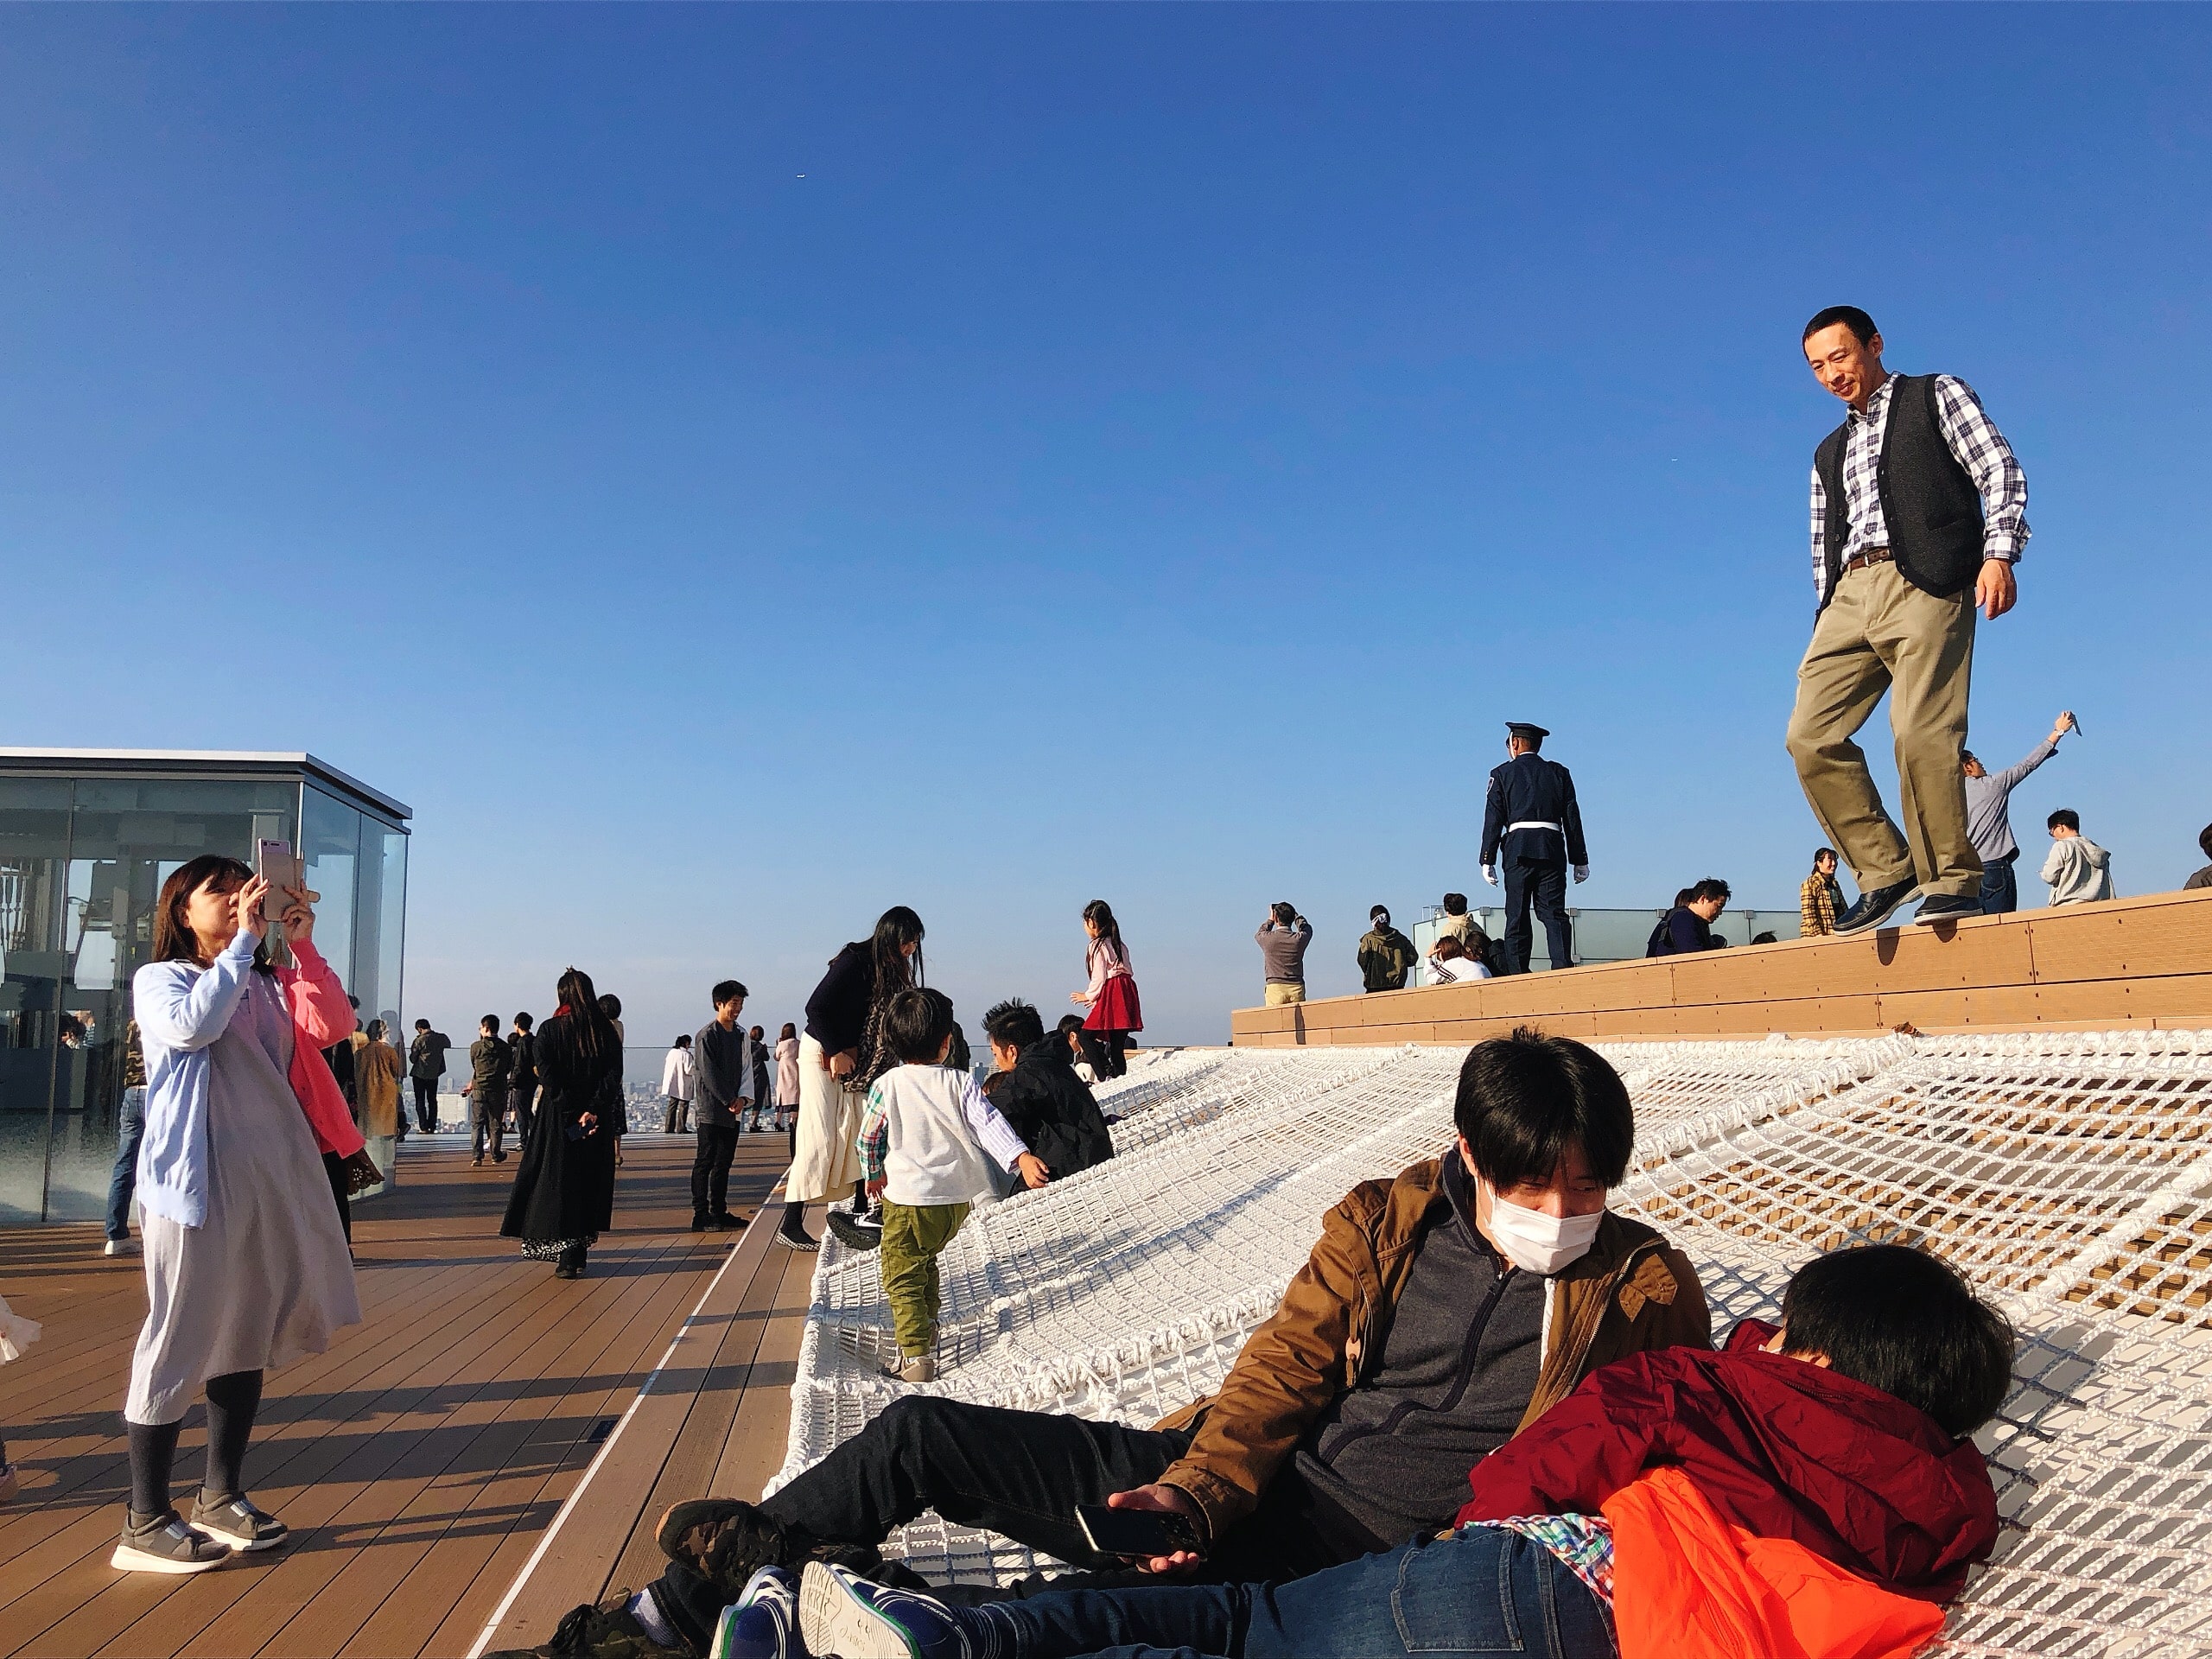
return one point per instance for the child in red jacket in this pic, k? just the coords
(1808, 1492)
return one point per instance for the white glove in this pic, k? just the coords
(1582, 872)
(1490, 875)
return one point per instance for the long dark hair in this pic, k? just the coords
(173, 939)
(893, 972)
(591, 1032)
(1100, 914)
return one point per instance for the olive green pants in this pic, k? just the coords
(1882, 634)
(913, 1234)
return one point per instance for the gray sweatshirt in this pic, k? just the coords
(1283, 951)
(2078, 870)
(1988, 797)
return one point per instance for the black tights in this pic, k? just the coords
(232, 1401)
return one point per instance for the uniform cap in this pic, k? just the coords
(1522, 728)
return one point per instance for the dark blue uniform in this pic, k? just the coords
(1531, 790)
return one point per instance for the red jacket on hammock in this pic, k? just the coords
(1777, 1473)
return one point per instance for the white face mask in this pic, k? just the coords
(1536, 1243)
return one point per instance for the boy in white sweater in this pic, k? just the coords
(922, 1141)
(2078, 870)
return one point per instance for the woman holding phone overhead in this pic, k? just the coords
(246, 1268)
(564, 1192)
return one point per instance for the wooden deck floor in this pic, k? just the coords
(424, 1461)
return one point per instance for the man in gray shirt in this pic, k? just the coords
(1283, 939)
(1989, 824)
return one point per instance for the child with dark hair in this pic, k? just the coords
(923, 1136)
(1111, 996)
(1807, 1490)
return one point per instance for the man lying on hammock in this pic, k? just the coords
(1807, 1491)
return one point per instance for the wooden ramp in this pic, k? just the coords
(422, 1460)
(2140, 963)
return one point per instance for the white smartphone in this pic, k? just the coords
(275, 862)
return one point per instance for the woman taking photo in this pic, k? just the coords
(564, 1192)
(246, 1268)
(837, 1060)
(1111, 996)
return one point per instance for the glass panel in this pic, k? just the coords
(127, 838)
(382, 911)
(34, 891)
(330, 841)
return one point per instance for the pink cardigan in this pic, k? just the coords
(320, 1016)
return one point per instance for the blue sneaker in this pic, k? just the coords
(763, 1622)
(854, 1619)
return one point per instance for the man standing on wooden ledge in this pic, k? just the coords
(1532, 823)
(1919, 514)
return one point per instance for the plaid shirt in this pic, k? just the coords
(1583, 1544)
(1816, 906)
(1976, 444)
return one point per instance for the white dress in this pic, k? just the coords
(267, 1278)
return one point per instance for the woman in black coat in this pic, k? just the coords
(565, 1191)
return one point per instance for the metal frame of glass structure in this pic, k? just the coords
(87, 838)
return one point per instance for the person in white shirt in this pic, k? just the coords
(787, 1076)
(676, 1088)
(922, 1143)
(2076, 870)
(1449, 961)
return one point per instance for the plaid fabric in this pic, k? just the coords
(1584, 1543)
(875, 1138)
(1975, 442)
(1816, 906)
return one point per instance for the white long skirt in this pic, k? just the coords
(827, 1161)
(267, 1278)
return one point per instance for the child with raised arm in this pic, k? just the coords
(1808, 1490)
(922, 1141)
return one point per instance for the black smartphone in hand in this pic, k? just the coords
(1137, 1534)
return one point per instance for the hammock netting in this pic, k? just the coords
(2070, 1176)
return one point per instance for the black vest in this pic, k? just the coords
(1929, 504)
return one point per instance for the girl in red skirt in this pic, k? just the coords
(1111, 994)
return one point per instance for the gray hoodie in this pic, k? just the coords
(2078, 870)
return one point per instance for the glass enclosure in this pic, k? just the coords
(81, 860)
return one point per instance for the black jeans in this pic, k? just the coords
(1022, 1473)
(334, 1167)
(1545, 885)
(1104, 1050)
(711, 1170)
(524, 1093)
(426, 1103)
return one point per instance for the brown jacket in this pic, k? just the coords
(1632, 1291)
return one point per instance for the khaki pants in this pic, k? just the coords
(1881, 633)
(1279, 994)
(914, 1235)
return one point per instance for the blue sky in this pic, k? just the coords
(731, 470)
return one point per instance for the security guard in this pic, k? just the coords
(1533, 820)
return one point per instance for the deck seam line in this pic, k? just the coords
(568, 1507)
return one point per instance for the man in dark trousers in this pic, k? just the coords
(524, 1084)
(721, 1059)
(426, 1067)
(491, 1064)
(1533, 828)
(1919, 512)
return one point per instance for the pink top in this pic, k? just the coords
(1104, 963)
(321, 1017)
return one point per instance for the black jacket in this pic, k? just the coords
(524, 1046)
(836, 1014)
(565, 1188)
(1052, 1110)
(426, 1055)
(1681, 931)
(491, 1063)
(1529, 789)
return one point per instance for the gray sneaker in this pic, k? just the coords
(121, 1247)
(238, 1523)
(165, 1544)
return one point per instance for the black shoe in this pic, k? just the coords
(1946, 907)
(853, 1234)
(699, 1223)
(163, 1543)
(1872, 909)
(235, 1521)
(792, 1233)
(609, 1631)
(728, 1222)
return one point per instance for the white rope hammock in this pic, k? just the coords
(2070, 1176)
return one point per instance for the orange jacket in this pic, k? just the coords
(1687, 1584)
